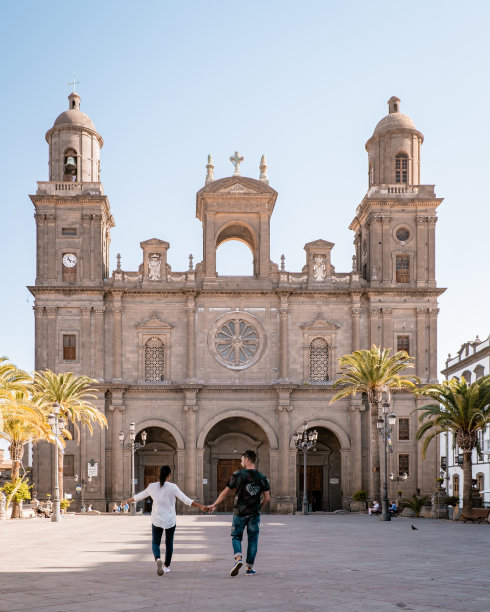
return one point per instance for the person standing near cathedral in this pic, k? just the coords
(163, 516)
(249, 485)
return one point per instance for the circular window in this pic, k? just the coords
(236, 340)
(402, 234)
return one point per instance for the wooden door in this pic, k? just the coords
(152, 474)
(314, 485)
(226, 467)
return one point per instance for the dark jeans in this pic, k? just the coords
(156, 539)
(252, 523)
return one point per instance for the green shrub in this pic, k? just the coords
(360, 496)
(17, 491)
(65, 504)
(452, 500)
(415, 503)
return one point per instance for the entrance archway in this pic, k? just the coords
(223, 446)
(323, 473)
(160, 449)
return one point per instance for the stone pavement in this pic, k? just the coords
(329, 562)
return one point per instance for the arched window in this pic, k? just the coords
(154, 359)
(402, 268)
(401, 168)
(479, 371)
(318, 360)
(467, 376)
(70, 165)
(456, 485)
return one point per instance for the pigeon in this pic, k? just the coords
(414, 528)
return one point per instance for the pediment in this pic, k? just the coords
(153, 323)
(324, 244)
(154, 242)
(238, 184)
(320, 324)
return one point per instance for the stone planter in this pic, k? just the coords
(356, 506)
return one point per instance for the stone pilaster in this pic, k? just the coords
(191, 338)
(99, 342)
(433, 313)
(117, 469)
(85, 272)
(421, 359)
(40, 252)
(52, 339)
(422, 262)
(190, 426)
(40, 335)
(387, 262)
(431, 232)
(117, 314)
(355, 333)
(50, 247)
(356, 444)
(283, 338)
(374, 326)
(85, 340)
(387, 328)
(284, 500)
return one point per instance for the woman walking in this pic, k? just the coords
(163, 517)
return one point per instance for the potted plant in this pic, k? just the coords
(415, 503)
(64, 505)
(359, 503)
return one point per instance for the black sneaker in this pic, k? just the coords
(236, 568)
(250, 571)
(159, 567)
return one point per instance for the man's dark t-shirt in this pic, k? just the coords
(249, 485)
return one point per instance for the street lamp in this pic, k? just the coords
(304, 441)
(385, 426)
(80, 485)
(132, 446)
(56, 425)
(398, 479)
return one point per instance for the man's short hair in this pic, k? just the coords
(250, 455)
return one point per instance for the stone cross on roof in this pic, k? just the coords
(74, 83)
(236, 160)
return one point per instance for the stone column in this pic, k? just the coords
(387, 262)
(191, 338)
(420, 365)
(209, 248)
(190, 417)
(284, 500)
(433, 312)
(264, 249)
(85, 340)
(117, 468)
(98, 255)
(355, 316)
(99, 342)
(40, 240)
(387, 328)
(422, 260)
(117, 337)
(52, 339)
(356, 445)
(374, 326)
(283, 338)
(431, 239)
(50, 245)
(374, 249)
(40, 335)
(85, 272)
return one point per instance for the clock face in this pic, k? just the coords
(69, 260)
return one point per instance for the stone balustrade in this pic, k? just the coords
(68, 188)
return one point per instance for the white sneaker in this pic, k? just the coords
(166, 570)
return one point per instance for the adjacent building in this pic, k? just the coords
(209, 365)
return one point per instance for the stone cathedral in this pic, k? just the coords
(211, 365)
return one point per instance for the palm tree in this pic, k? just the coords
(31, 427)
(72, 393)
(372, 372)
(464, 409)
(12, 380)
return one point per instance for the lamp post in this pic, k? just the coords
(385, 425)
(79, 487)
(56, 425)
(304, 441)
(132, 446)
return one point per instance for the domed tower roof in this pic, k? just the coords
(74, 118)
(394, 120)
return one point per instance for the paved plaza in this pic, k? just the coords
(319, 562)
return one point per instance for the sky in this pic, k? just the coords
(304, 83)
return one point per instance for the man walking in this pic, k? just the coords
(249, 484)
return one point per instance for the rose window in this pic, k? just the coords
(237, 343)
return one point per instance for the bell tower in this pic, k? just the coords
(72, 213)
(395, 222)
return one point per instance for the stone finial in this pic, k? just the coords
(118, 257)
(236, 160)
(354, 263)
(191, 264)
(394, 104)
(263, 170)
(210, 170)
(283, 259)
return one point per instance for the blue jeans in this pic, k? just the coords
(252, 523)
(156, 539)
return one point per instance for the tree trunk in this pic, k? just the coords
(374, 460)
(60, 470)
(16, 453)
(467, 478)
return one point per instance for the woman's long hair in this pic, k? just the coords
(164, 472)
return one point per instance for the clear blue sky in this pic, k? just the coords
(166, 83)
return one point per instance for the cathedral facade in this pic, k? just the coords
(208, 365)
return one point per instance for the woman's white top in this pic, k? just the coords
(163, 509)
